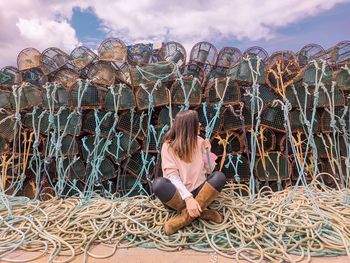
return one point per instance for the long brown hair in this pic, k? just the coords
(182, 136)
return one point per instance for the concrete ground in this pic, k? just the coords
(144, 255)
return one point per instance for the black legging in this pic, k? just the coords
(164, 189)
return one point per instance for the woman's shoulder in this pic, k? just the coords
(200, 139)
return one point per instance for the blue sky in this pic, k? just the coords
(271, 24)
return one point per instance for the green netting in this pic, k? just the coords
(89, 146)
(309, 75)
(266, 139)
(273, 117)
(234, 144)
(300, 119)
(327, 99)
(237, 121)
(55, 95)
(28, 96)
(223, 88)
(238, 169)
(343, 78)
(158, 92)
(38, 120)
(90, 97)
(68, 121)
(127, 147)
(242, 71)
(152, 73)
(298, 93)
(90, 122)
(190, 89)
(164, 118)
(125, 96)
(211, 112)
(131, 123)
(34, 76)
(134, 164)
(75, 170)
(276, 167)
(339, 122)
(7, 125)
(5, 99)
(106, 171)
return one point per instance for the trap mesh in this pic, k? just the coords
(34, 76)
(341, 119)
(82, 57)
(54, 59)
(105, 172)
(31, 121)
(216, 91)
(152, 73)
(90, 123)
(132, 125)
(325, 97)
(309, 169)
(29, 58)
(273, 117)
(300, 95)
(195, 71)
(113, 49)
(211, 111)
(128, 146)
(191, 89)
(309, 74)
(125, 183)
(134, 164)
(9, 76)
(30, 96)
(266, 139)
(310, 52)
(174, 52)
(69, 121)
(139, 54)
(159, 95)
(234, 145)
(204, 53)
(265, 94)
(228, 57)
(300, 141)
(152, 145)
(126, 98)
(242, 72)
(298, 124)
(101, 73)
(90, 98)
(231, 121)
(4, 146)
(58, 96)
(75, 170)
(69, 146)
(277, 167)
(242, 165)
(326, 146)
(67, 77)
(343, 78)
(5, 99)
(164, 118)
(89, 149)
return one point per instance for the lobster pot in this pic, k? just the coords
(340, 114)
(309, 169)
(29, 58)
(151, 73)
(217, 72)
(54, 59)
(328, 145)
(232, 122)
(5, 99)
(225, 89)
(125, 183)
(325, 98)
(189, 88)
(277, 167)
(122, 93)
(228, 57)
(265, 94)
(127, 147)
(9, 76)
(29, 188)
(132, 124)
(67, 77)
(336, 171)
(304, 99)
(113, 49)
(139, 54)
(89, 93)
(266, 141)
(173, 52)
(194, 71)
(92, 146)
(299, 140)
(57, 97)
(29, 96)
(256, 51)
(310, 72)
(37, 120)
(310, 52)
(105, 171)
(166, 116)
(91, 121)
(134, 165)
(158, 92)
(34, 76)
(240, 167)
(243, 73)
(69, 146)
(282, 71)
(4, 146)
(211, 112)
(68, 121)
(75, 170)
(82, 57)
(102, 73)
(340, 53)
(152, 145)
(122, 73)
(273, 118)
(297, 121)
(343, 78)
(204, 53)
(234, 144)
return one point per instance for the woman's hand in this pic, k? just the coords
(206, 145)
(193, 207)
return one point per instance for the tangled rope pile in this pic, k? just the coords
(270, 226)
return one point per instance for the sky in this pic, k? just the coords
(272, 24)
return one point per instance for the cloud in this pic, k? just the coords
(41, 23)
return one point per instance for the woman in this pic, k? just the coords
(184, 186)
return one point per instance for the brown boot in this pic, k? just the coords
(205, 196)
(176, 202)
(211, 215)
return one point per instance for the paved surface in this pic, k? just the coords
(143, 255)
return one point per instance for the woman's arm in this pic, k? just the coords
(206, 146)
(175, 179)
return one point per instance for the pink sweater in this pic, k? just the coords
(191, 174)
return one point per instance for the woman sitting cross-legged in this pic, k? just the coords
(184, 186)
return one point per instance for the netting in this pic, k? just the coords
(54, 59)
(173, 52)
(113, 49)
